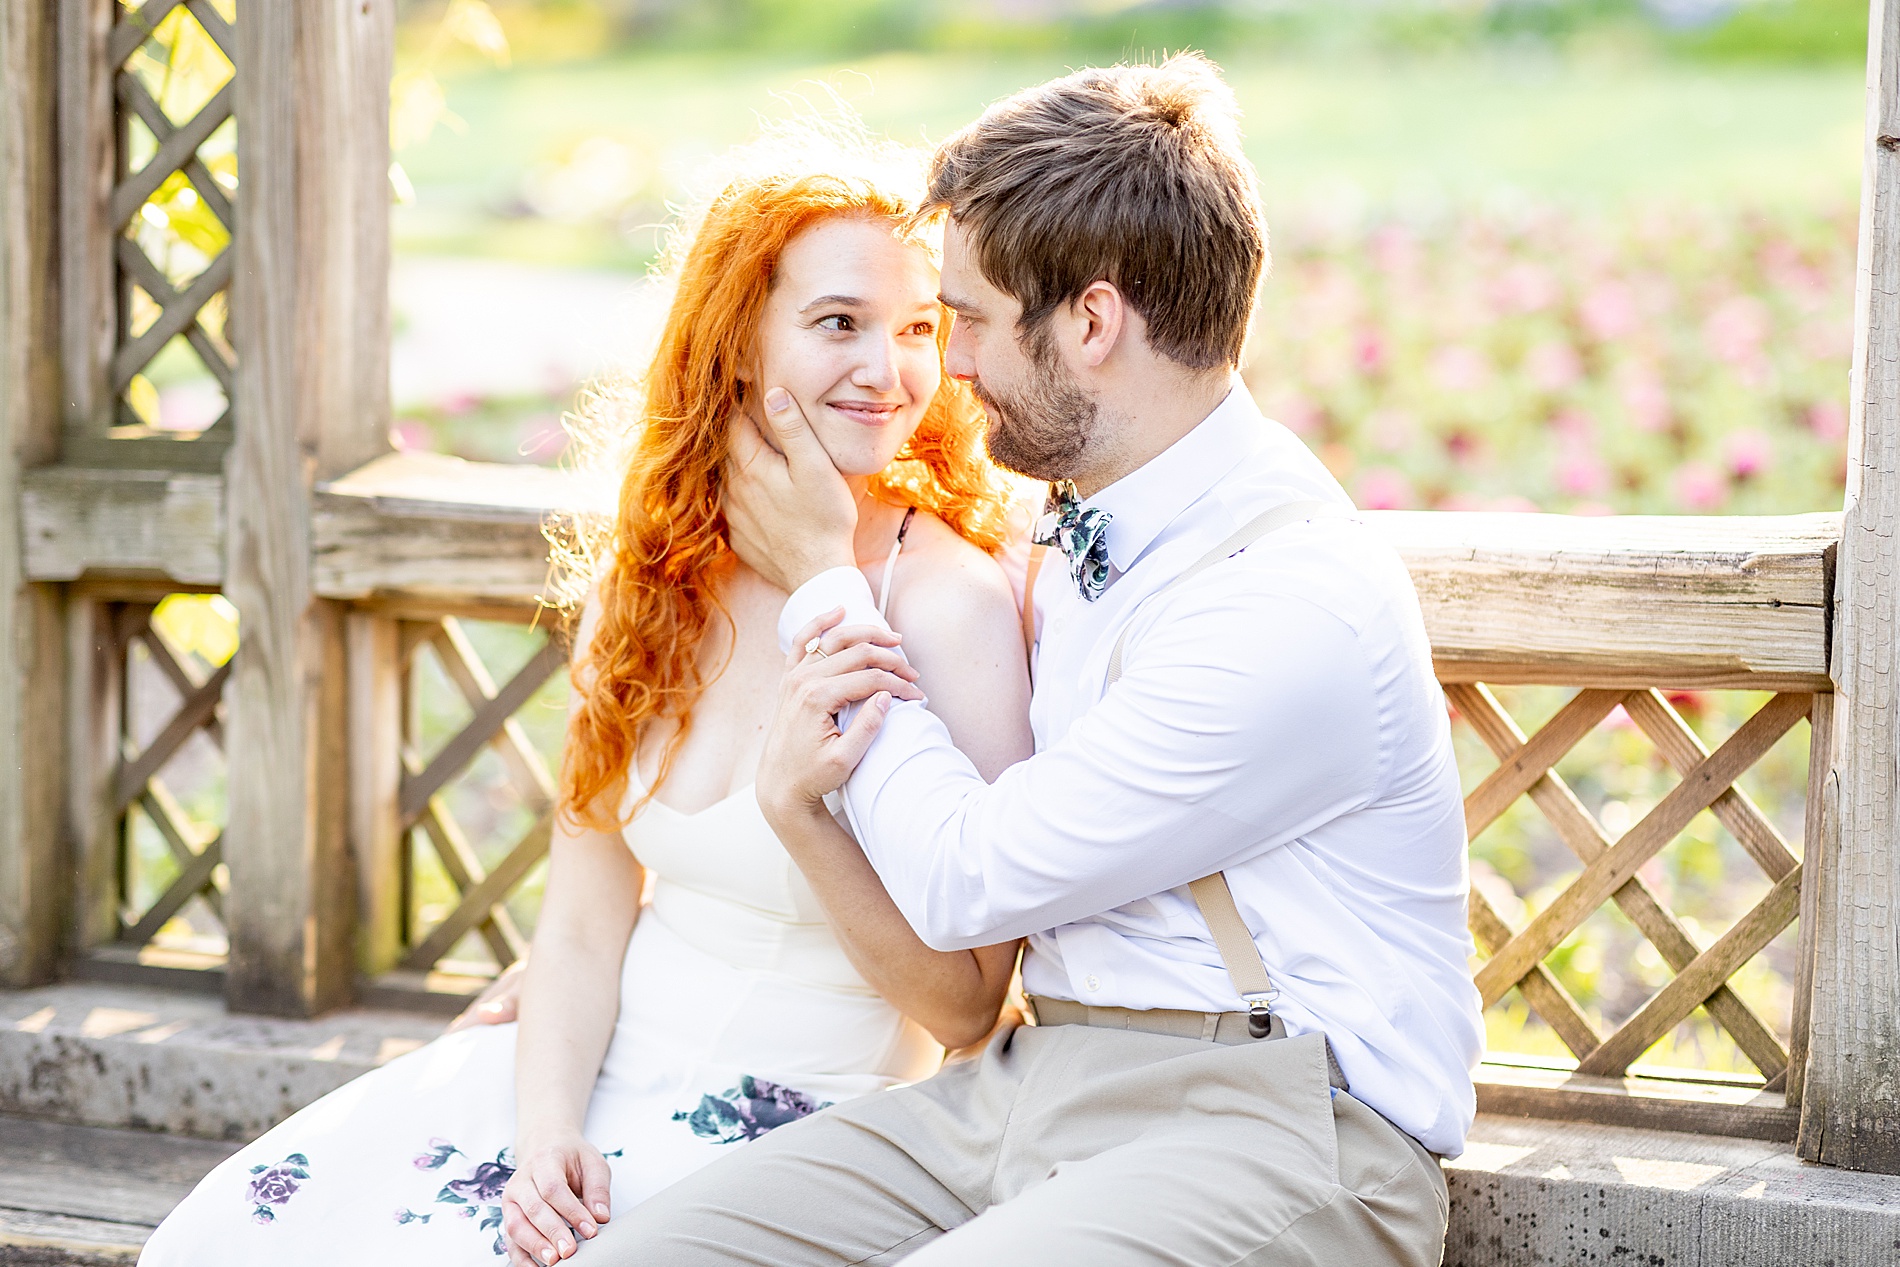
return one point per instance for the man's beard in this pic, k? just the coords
(1043, 428)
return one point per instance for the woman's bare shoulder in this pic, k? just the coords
(938, 558)
(948, 594)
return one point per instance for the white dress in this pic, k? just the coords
(738, 1012)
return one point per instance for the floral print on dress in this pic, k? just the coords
(482, 1187)
(747, 1111)
(276, 1185)
(478, 1195)
(1081, 533)
(440, 1150)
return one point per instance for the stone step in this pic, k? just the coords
(1527, 1194)
(175, 1061)
(1533, 1193)
(88, 1194)
(88, 1060)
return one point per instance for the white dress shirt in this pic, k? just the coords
(1277, 718)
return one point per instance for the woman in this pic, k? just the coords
(745, 995)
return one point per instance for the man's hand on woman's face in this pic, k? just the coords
(806, 755)
(789, 513)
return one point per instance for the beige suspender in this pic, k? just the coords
(1232, 938)
(1036, 556)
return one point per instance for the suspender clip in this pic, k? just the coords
(1259, 1014)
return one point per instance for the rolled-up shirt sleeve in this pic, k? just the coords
(1244, 717)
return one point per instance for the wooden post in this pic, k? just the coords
(32, 870)
(88, 165)
(1850, 1104)
(95, 703)
(310, 307)
(375, 757)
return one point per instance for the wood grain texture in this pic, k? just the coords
(1625, 601)
(310, 314)
(431, 527)
(1672, 1004)
(84, 522)
(1617, 602)
(34, 872)
(375, 760)
(1850, 1104)
(1585, 837)
(1699, 1108)
(345, 56)
(1683, 751)
(95, 694)
(89, 163)
(1540, 987)
(1818, 843)
(1616, 866)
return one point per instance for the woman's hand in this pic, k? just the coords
(556, 1198)
(499, 1004)
(806, 755)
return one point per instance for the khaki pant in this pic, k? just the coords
(1064, 1144)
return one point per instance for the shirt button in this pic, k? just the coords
(1092, 983)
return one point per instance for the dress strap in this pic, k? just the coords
(890, 564)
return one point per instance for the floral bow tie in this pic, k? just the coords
(1081, 533)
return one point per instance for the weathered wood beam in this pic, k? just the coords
(1632, 600)
(83, 522)
(425, 526)
(310, 316)
(1850, 1099)
(34, 872)
(1617, 602)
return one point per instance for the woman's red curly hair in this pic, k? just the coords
(667, 553)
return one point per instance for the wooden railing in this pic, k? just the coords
(1618, 610)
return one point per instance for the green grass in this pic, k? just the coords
(1330, 135)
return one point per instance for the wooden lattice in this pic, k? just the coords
(151, 203)
(1610, 872)
(481, 894)
(137, 781)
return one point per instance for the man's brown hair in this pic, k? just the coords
(1129, 174)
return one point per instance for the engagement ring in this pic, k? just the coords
(813, 646)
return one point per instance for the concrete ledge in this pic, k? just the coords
(31, 1239)
(1536, 1193)
(162, 1060)
(1528, 1193)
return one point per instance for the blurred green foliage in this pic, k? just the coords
(1756, 30)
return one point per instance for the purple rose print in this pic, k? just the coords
(477, 1196)
(747, 1111)
(276, 1185)
(440, 1150)
(484, 1183)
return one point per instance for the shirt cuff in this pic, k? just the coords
(840, 587)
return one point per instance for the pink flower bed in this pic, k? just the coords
(1646, 361)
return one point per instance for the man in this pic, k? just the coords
(1274, 1098)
